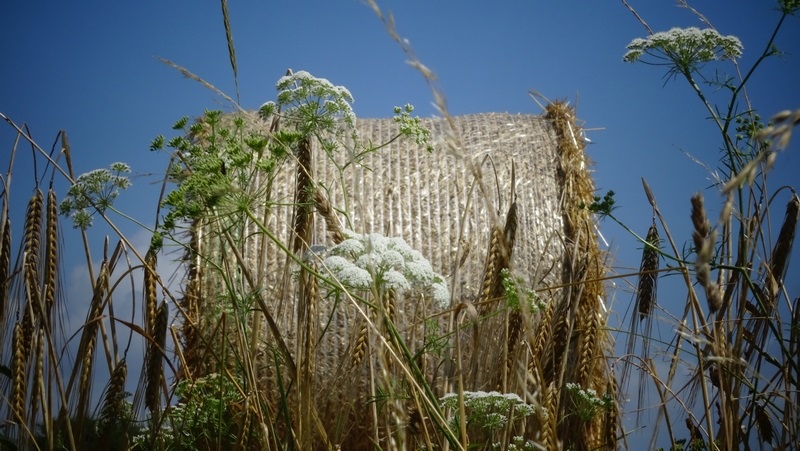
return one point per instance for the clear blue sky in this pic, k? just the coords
(89, 68)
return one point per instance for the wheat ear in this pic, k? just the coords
(303, 197)
(51, 253)
(648, 276)
(18, 363)
(5, 267)
(331, 221)
(153, 369)
(113, 409)
(783, 247)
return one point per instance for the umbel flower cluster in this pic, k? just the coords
(685, 48)
(364, 261)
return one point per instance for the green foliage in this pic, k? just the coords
(488, 411)
(587, 404)
(410, 126)
(205, 418)
(516, 292)
(602, 206)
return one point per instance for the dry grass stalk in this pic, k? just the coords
(304, 192)
(648, 274)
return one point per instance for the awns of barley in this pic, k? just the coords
(648, 275)
(153, 360)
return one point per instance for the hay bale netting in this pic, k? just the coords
(444, 204)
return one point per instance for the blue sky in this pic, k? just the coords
(90, 68)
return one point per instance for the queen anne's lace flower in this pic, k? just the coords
(363, 260)
(684, 48)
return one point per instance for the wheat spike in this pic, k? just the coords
(612, 415)
(51, 253)
(113, 410)
(704, 245)
(5, 267)
(331, 221)
(783, 247)
(38, 375)
(86, 348)
(18, 371)
(648, 278)
(33, 227)
(303, 197)
(150, 293)
(491, 271)
(550, 409)
(153, 360)
(360, 346)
